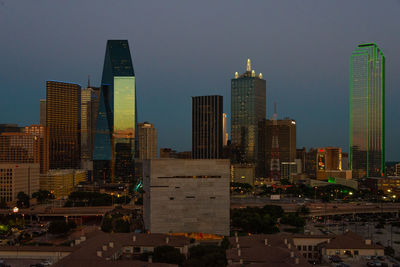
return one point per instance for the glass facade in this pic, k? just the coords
(63, 122)
(248, 108)
(114, 150)
(367, 111)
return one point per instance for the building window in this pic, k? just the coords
(299, 248)
(171, 198)
(305, 248)
(309, 248)
(355, 252)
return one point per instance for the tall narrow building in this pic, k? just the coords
(114, 150)
(207, 135)
(63, 124)
(89, 110)
(367, 111)
(147, 135)
(248, 108)
(225, 136)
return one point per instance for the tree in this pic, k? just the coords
(303, 210)
(59, 228)
(168, 254)
(42, 196)
(206, 255)
(23, 200)
(122, 226)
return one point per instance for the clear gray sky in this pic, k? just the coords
(187, 48)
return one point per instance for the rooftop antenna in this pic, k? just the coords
(248, 65)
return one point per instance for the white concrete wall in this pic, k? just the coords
(178, 205)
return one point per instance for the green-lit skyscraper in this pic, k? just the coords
(114, 149)
(367, 111)
(248, 108)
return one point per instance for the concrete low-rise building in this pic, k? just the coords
(352, 245)
(18, 177)
(186, 196)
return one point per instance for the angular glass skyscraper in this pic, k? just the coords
(367, 111)
(114, 150)
(248, 108)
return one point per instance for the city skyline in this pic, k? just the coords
(323, 92)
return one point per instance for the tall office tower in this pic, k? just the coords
(367, 111)
(89, 110)
(224, 129)
(207, 131)
(248, 108)
(19, 148)
(147, 135)
(114, 150)
(301, 155)
(286, 131)
(43, 112)
(63, 124)
(40, 134)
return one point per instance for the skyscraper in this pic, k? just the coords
(248, 108)
(40, 133)
(89, 110)
(207, 132)
(64, 124)
(114, 150)
(367, 111)
(147, 135)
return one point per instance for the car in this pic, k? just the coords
(46, 263)
(335, 259)
(381, 258)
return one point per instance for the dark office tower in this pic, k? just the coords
(89, 110)
(286, 132)
(248, 108)
(63, 124)
(207, 135)
(367, 111)
(114, 150)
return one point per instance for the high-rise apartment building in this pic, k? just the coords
(89, 110)
(147, 135)
(64, 124)
(41, 135)
(207, 135)
(367, 111)
(248, 108)
(114, 150)
(286, 133)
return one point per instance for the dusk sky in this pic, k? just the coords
(189, 48)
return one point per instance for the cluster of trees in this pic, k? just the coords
(199, 256)
(43, 196)
(61, 227)
(116, 223)
(257, 220)
(265, 220)
(82, 199)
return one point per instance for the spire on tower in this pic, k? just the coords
(248, 65)
(88, 81)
